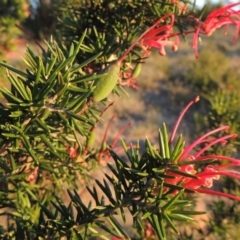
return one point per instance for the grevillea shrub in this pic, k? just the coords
(52, 109)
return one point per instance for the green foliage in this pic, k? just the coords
(47, 108)
(134, 186)
(50, 113)
(47, 111)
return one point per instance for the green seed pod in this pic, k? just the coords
(106, 83)
(91, 140)
(104, 146)
(137, 70)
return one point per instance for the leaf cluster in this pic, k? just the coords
(46, 111)
(134, 186)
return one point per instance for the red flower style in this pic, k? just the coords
(204, 180)
(216, 19)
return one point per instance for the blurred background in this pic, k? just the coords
(166, 85)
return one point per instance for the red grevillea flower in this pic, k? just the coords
(158, 36)
(204, 180)
(223, 16)
(161, 33)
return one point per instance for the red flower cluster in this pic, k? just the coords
(187, 160)
(159, 35)
(224, 16)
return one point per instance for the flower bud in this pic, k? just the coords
(137, 70)
(91, 140)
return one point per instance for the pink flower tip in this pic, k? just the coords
(175, 47)
(196, 99)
